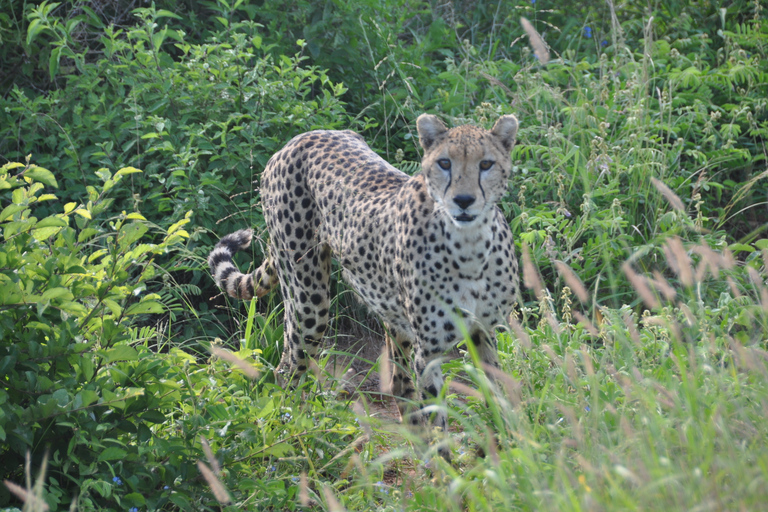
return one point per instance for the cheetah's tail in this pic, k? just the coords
(229, 278)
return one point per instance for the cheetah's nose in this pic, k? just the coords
(464, 201)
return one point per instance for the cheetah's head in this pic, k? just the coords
(466, 168)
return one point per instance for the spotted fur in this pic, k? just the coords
(431, 254)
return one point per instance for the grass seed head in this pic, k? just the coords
(573, 281)
(536, 41)
(218, 489)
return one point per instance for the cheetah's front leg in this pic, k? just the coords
(429, 382)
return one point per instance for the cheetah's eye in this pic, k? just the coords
(486, 164)
(444, 164)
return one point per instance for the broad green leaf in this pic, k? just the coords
(85, 398)
(112, 453)
(130, 233)
(57, 293)
(44, 233)
(278, 450)
(49, 222)
(11, 165)
(113, 306)
(146, 307)
(119, 353)
(10, 210)
(42, 175)
(84, 213)
(154, 416)
(127, 170)
(33, 30)
(162, 13)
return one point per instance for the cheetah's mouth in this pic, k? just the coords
(465, 217)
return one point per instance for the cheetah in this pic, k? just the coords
(431, 254)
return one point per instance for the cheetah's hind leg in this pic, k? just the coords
(230, 279)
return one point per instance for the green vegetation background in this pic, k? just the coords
(132, 136)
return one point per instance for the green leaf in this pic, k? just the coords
(10, 210)
(33, 30)
(84, 213)
(119, 353)
(130, 233)
(51, 222)
(112, 453)
(738, 247)
(279, 450)
(127, 170)
(162, 13)
(154, 416)
(85, 398)
(42, 175)
(44, 233)
(57, 293)
(146, 307)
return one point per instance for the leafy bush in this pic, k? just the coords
(75, 287)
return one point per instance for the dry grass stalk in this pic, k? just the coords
(584, 463)
(362, 416)
(218, 489)
(570, 369)
(583, 320)
(572, 280)
(587, 358)
(493, 450)
(570, 417)
(640, 285)
(553, 323)
(31, 496)
(665, 397)
(530, 274)
(209, 455)
(670, 196)
(226, 355)
(19, 492)
(632, 328)
(750, 358)
(353, 446)
(31, 501)
(303, 490)
(663, 286)
(385, 375)
(552, 356)
(679, 260)
(710, 260)
(536, 41)
(330, 499)
(458, 387)
(689, 318)
(734, 288)
(495, 81)
(510, 384)
(520, 333)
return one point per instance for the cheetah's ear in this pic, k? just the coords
(506, 130)
(430, 128)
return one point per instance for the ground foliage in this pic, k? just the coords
(131, 136)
